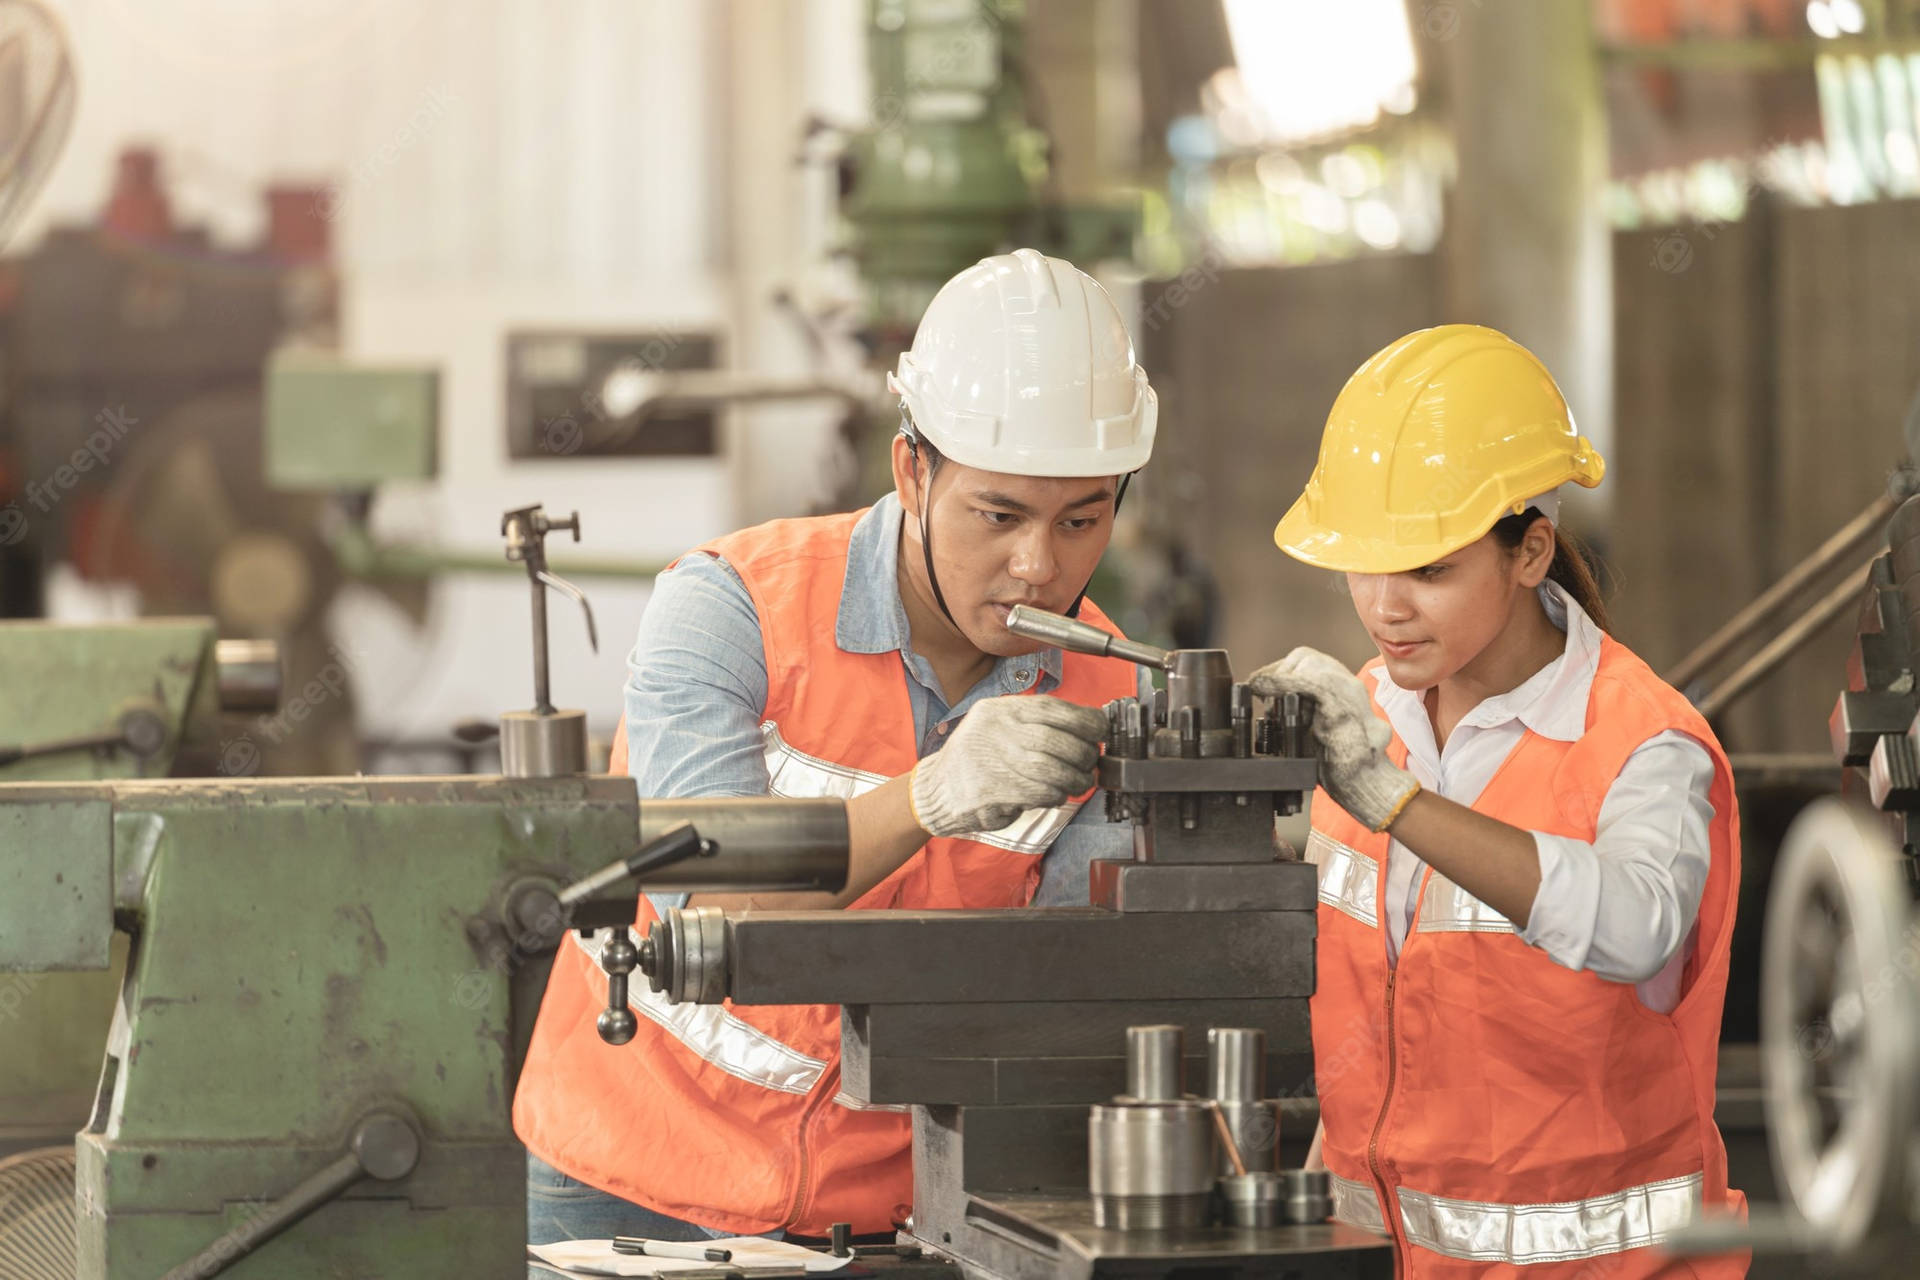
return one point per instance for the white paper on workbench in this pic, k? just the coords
(597, 1258)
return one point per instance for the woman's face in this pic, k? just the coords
(1430, 623)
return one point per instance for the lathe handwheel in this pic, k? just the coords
(1840, 1016)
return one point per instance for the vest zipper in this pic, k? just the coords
(824, 1091)
(1389, 1214)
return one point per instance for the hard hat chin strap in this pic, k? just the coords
(926, 530)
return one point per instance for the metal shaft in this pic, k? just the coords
(1156, 1065)
(542, 697)
(1080, 637)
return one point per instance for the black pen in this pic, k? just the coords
(670, 1249)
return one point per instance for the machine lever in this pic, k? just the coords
(676, 844)
(141, 729)
(572, 592)
(1081, 637)
(619, 957)
(385, 1146)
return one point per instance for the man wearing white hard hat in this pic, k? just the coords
(863, 656)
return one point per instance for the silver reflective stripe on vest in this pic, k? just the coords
(851, 1103)
(795, 775)
(1033, 831)
(1349, 879)
(1355, 1204)
(711, 1032)
(1447, 908)
(1479, 1231)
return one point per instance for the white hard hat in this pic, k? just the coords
(1022, 365)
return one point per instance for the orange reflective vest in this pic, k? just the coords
(1493, 1112)
(733, 1117)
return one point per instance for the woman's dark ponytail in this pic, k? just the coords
(1572, 568)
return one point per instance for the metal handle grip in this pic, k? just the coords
(385, 1146)
(1080, 637)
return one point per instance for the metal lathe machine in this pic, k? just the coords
(313, 1055)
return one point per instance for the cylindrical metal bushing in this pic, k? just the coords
(1237, 1071)
(695, 939)
(533, 745)
(1156, 1063)
(1150, 1164)
(762, 845)
(1253, 1199)
(1308, 1197)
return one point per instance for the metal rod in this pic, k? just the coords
(542, 698)
(1789, 641)
(1080, 637)
(1828, 554)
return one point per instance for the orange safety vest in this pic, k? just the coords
(732, 1117)
(1514, 1117)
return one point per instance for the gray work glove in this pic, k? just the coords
(1353, 739)
(1010, 754)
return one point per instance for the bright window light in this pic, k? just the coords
(1821, 18)
(1310, 68)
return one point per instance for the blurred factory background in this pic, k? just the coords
(315, 290)
(1699, 211)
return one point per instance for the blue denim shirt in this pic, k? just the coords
(697, 690)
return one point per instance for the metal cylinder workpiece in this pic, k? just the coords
(1253, 1199)
(1150, 1164)
(536, 745)
(1237, 1080)
(1156, 1063)
(1307, 1196)
(761, 845)
(1237, 1063)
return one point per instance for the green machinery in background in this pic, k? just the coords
(111, 701)
(953, 167)
(330, 981)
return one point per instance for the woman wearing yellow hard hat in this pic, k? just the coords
(1527, 842)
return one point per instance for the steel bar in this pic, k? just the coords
(1783, 646)
(1869, 523)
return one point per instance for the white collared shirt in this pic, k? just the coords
(1621, 906)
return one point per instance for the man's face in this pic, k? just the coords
(1002, 540)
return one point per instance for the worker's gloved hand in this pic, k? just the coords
(1010, 754)
(1353, 739)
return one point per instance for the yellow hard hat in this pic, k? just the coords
(1430, 443)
